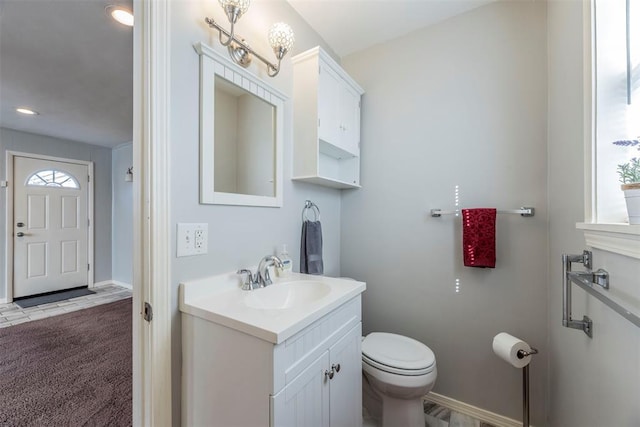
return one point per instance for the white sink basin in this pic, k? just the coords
(286, 295)
(274, 313)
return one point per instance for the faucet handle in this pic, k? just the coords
(267, 277)
(249, 281)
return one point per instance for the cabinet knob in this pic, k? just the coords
(329, 374)
(336, 367)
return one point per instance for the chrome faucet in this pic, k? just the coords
(262, 275)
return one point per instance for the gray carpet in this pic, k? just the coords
(68, 370)
(52, 297)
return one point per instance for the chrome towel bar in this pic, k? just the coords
(525, 211)
(591, 282)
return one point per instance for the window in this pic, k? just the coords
(616, 85)
(53, 178)
(612, 67)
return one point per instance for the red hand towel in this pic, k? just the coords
(479, 237)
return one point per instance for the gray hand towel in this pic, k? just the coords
(311, 248)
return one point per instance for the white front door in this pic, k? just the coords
(50, 226)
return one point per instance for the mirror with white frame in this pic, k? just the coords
(241, 135)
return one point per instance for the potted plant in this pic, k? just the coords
(629, 174)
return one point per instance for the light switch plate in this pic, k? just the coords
(192, 239)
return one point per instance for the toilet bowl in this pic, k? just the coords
(397, 372)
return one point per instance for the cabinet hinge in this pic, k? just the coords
(148, 312)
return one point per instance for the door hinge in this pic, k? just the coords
(88, 267)
(88, 223)
(88, 178)
(148, 312)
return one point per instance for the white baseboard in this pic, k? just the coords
(122, 284)
(3, 300)
(113, 282)
(473, 411)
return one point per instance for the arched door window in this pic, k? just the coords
(53, 178)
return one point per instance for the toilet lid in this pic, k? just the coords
(397, 354)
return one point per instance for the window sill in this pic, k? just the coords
(623, 239)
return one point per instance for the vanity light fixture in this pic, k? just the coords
(281, 37)
(120, 14)
(27, 111)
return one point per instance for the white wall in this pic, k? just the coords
(462, 103)
(238, 236)
(592, 382)
(122, 215)
(38, 144)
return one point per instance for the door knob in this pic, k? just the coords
(20, 224)
(20, 234)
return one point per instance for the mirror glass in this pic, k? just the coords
(244, 141)
(241, 135)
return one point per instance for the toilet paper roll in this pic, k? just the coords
(506, 347)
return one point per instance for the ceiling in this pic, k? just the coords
(349, 26)
(68, 60)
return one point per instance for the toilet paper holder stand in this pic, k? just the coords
(525, 385)
(523, 353)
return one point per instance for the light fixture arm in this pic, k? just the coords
(233, 13)
(234, 44)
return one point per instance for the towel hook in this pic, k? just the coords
(309, 205)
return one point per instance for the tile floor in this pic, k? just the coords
(437, 416)
(11, 314)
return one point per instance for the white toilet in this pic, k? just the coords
(398, 371)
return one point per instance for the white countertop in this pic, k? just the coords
(219, 299)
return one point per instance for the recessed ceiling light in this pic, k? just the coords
(27, 111)
(120, 14)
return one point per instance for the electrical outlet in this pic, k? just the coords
(200, 238)
(191, 239)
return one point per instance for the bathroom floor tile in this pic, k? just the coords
(462, 420)
(11, 314)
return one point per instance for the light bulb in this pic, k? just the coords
(281, 37)
(121, 15)
(27, 111)
(243, 5)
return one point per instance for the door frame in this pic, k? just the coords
(10, 156)
(152, 254)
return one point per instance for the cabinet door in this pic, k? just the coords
(345, 402)
(305, 401)
(350, 120)
(329, 85)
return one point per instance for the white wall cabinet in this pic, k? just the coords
(326, 117)
(231, 378)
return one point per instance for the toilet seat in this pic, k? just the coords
(397, 354)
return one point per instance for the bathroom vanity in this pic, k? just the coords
(285, 355)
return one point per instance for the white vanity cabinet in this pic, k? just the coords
(326, 105)
(232, 378)
(328, 392)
